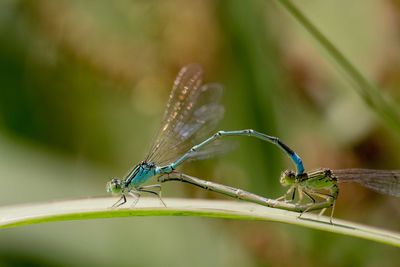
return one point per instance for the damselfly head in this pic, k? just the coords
(288, 177)
(114, 186)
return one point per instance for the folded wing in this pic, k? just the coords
(382, 181)
(192, 113)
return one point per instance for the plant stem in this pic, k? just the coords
(367, 91)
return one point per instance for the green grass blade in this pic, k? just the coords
(95, 208)
(368, 91)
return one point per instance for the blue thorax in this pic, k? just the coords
(143, 172)
(140, 174)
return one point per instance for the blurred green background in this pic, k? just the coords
(83, 85)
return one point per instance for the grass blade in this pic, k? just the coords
(95, 208)
(368, 91)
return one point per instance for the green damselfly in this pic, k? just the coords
(320, 183)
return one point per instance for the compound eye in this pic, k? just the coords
(287, 178)
(290, 173)
(114, 186)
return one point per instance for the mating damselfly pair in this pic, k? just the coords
(192, 113)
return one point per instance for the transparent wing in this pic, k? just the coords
(192, 112)
(215, 148)
(382, 181)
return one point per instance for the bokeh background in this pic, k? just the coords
(83, 85)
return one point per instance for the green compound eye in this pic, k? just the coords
(114, 186)
(287, 178)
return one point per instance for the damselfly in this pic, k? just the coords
(320, 183)
(240, 194)
(192, 112)
(323, 183)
